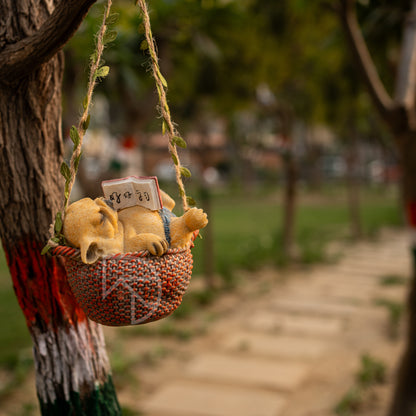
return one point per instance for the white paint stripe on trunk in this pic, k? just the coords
(67, 360)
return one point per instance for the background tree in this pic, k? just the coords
(398, 111)
(72, 368)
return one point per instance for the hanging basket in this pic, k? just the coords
(130, 288)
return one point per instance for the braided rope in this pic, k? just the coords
(161, 86)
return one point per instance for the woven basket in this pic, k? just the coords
(131, 288)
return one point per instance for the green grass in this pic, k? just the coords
(371, 373)
(392, 280)
(395, 311)
(14, 336)
(247, 227)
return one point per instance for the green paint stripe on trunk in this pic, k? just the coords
(101, 402)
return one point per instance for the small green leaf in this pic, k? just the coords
(162, 79)
(65, 171)
(86, 123)
(66, 191)
(181, 192)
(55, 240)
(94, 57)
(113, 18)
(102, 72)
(179, 141)
(164, 127)
(190, 201)
(74, 135)
(109, 36)
(185, 172)
(58, 222)
(76, 161)
(159, 90)
(144, 45)
(175, 159)
(45, 249)
(85, 102)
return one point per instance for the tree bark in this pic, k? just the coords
(404, 399)
(72, 368)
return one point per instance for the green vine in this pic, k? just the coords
(97, 72)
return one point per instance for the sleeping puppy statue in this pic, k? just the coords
(97, 230)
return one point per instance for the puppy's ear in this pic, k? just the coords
(108, 212)
(90, 252)
(167, 201)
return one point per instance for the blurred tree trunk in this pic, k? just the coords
(289, 205)
(313, 166)
(291, 179)
(353, 186)
(72, 368)
(399, 112)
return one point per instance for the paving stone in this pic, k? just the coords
(284, 346)
(253, 371)
(333, 290)
(371, 270)
(295, 324)
(315, 306)
(336, 277)
(392, 293)
(379, 259)
(203, 399)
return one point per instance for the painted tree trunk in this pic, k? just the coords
(72, 368)
(404, 399)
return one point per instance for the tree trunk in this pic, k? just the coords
(399, 112)
(72, 369)
(404, 399)
(353, 188)
(289, 205)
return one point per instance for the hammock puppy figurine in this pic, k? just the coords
(98, 230)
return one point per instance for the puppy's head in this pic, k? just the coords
(92, 227)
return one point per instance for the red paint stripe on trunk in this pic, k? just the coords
(411, 214)
(41, 287)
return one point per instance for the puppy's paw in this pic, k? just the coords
(195, 219)
(157, 246)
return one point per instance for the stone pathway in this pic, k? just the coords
(291, 348)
